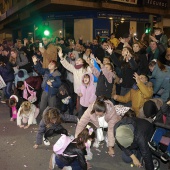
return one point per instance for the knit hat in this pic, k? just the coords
(149, 108)
(20, 74)
(124, 135)
(15, 97)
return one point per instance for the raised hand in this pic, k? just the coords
(60, 53)
(136, 77)
(109, 50)
(34, 59)
(98, 61)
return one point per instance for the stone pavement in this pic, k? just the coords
(17, 153)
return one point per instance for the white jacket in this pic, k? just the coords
(30, 116)
(77, 73)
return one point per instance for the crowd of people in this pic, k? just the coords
(114, 86)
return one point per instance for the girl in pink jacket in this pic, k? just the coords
(86, 92)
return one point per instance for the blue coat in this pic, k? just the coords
(55, 76)
(7, 72)
(162, 81)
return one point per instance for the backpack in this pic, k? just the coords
(61, 144)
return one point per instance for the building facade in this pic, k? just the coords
(89, 18)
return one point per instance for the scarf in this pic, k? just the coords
(78, 66)
(46, 46)
(158, 37)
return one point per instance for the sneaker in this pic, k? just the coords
(3, 101)
(46, 141)
(67, 168)
(52, 162)
(165, 157)
(152, 145)
(11, 119)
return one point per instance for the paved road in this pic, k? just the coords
(17, 153)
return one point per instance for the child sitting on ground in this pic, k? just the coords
(65, 94)
(73, 157)
(50, 125)
(27, 113)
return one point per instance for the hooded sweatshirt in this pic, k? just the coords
(88, 92)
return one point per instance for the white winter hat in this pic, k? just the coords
(15, 97)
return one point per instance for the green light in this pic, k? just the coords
(46, 33)
(146, 31)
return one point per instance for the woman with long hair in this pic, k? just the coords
(161, 77)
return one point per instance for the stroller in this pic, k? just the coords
(160, 141)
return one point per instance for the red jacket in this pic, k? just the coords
(35, 82)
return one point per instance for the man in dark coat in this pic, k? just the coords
(100, 52)
(132, 135)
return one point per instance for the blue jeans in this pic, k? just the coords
(81, 111)
(69, 106)
(123, 92)
(8, 89)
(158, 136)
(75, 164)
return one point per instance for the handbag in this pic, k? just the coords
(2, 83)
(32, 98)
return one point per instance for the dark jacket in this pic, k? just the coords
(34, 81)
(127, 70)
(143, 67)
(100, 53)
(43, 127)
(55, 76)
(7, 72)
(163, 121)
(66, 86)
(103, 86)
(143, 131)
(73, 150)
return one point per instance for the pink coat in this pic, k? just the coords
(88, 92)
(110, 117)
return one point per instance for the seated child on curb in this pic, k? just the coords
(50, 125)
(73, 157)
(27, 113)
(65, 94)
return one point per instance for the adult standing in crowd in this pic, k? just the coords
(100, 52)
(49, 52)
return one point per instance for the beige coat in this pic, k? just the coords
(110, 117)
(49, 54)
(77, 73)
